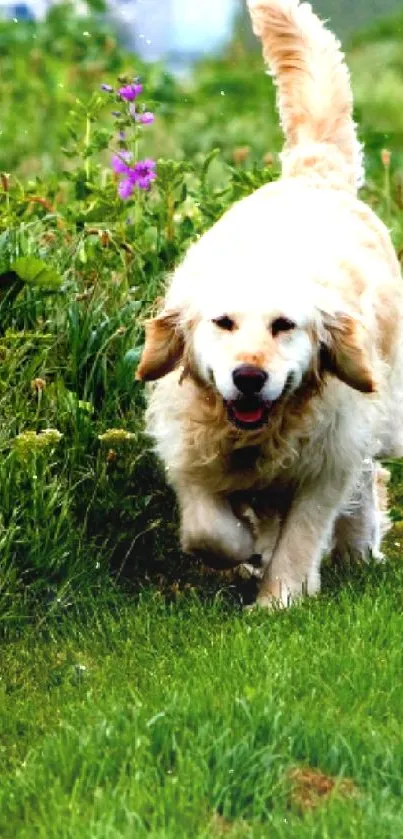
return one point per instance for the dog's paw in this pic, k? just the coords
(268, 603)
(251, 569)
(248, 572)
(280, 594)
(272, 604)
(378, 557)
(227, 544)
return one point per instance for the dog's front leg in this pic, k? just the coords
(294, 569)
(210, 528)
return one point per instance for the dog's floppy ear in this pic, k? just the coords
(344, 355)
(163, 347)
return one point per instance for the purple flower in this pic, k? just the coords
(120, 162)
(107, 88)
(144, 173)
(125, 188)
(130, 92)
(146, 119)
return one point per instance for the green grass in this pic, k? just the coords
(186, 720)
(137, 698)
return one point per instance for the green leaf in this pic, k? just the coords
(85, 406)
(100, 140)
(207, 163)
(36, 273)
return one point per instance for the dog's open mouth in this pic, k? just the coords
(248, 412)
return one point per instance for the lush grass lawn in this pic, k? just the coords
(199, 720)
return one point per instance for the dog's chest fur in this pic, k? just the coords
(246, 459)
(251, 468)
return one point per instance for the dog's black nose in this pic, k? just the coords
(249, 379)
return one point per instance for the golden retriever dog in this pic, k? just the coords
(279, 348)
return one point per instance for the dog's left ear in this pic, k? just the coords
(344, 355)
(163, 347)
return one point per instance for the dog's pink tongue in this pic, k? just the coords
(249, 416)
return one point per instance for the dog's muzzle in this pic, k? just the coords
(248, 411)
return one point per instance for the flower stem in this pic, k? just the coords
(87, 141)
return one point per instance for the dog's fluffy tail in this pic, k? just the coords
(314, 91)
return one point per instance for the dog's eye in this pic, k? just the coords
(224, 322)
(282, 325)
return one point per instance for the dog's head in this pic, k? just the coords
(256, 339)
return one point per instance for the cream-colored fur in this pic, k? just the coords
(304, 251)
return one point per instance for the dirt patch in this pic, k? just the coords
(311, 788)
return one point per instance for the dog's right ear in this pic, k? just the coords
(163, 347)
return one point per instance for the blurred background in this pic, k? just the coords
(203, 70)
(202, 66)
(179, 31)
